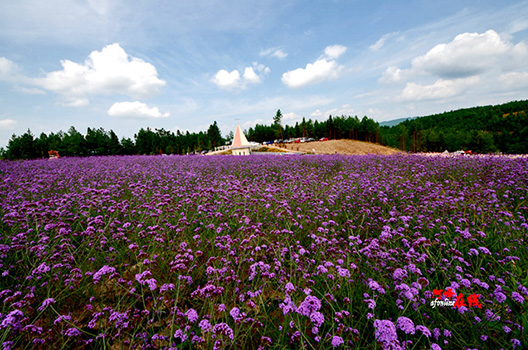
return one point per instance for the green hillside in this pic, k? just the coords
(499, 128)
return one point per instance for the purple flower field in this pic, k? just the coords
(314, 252)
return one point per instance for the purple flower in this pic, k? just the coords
(465, 282)
(484, 250)
(12, 319)
(336, 341)
(317, 318)
(192, 315)
(435, 346)
(436, 333)
(105, 270)
(289, 287)
(224, 329)
(499, 295)
(205, 326)
(506, 329)
(41, 269)
(424, 330)
(515, 343)
(180, 334)
(235, 313)
(385, 331)
(152, 283)
(373, 285)
(399, 274)
(72, 332)
(166, 287)
(45, 303)
(405, 324)
(518, 297)
(371, 303)
(309, 305)
(343, 272)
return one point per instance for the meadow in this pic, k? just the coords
(269, 252)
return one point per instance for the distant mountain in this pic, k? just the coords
(396, 121)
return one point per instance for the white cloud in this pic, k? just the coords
(345, 109)
(334, 51)
(471, 54)
(105, 72)
(317, 114)
(438, 90)
(227, 80)
(468, 59)
(31, 91)
(77, 102)
(325, 68)
(381, 41)
(274, 52)
(135, 109)
(394, 74)
(7, 69)
(7, 123)
(233, 81)
(514, 80)
(291, 118)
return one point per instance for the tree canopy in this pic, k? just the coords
(484, 129)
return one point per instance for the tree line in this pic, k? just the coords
(99, 142)
(487, 129)
(343, 127)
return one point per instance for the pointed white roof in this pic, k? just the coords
(240, 140)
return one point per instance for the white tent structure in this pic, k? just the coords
(240, 146)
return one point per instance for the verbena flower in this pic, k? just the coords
(517, 297)
(45, 303)
(336, 341)
(405, 324)
(425, 331)
(192, 315)
(317, 318)
(385, 331)
(205, 326)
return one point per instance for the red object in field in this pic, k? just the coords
(297, 141)
(324, 139)
(53, 154)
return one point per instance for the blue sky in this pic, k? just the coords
(124, 65)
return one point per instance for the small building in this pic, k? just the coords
(240, 145)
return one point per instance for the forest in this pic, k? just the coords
(487, 129)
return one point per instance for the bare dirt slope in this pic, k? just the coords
(340, 147)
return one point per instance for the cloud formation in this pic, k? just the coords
(439, 89)
(105, 72)
(7, 123)
(135, 110)
(7, 69)
(469, 54)
(324, 68)
(470, 58)
(274, 52)
(234, 81)
(381, 41)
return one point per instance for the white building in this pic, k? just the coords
(240, 145)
